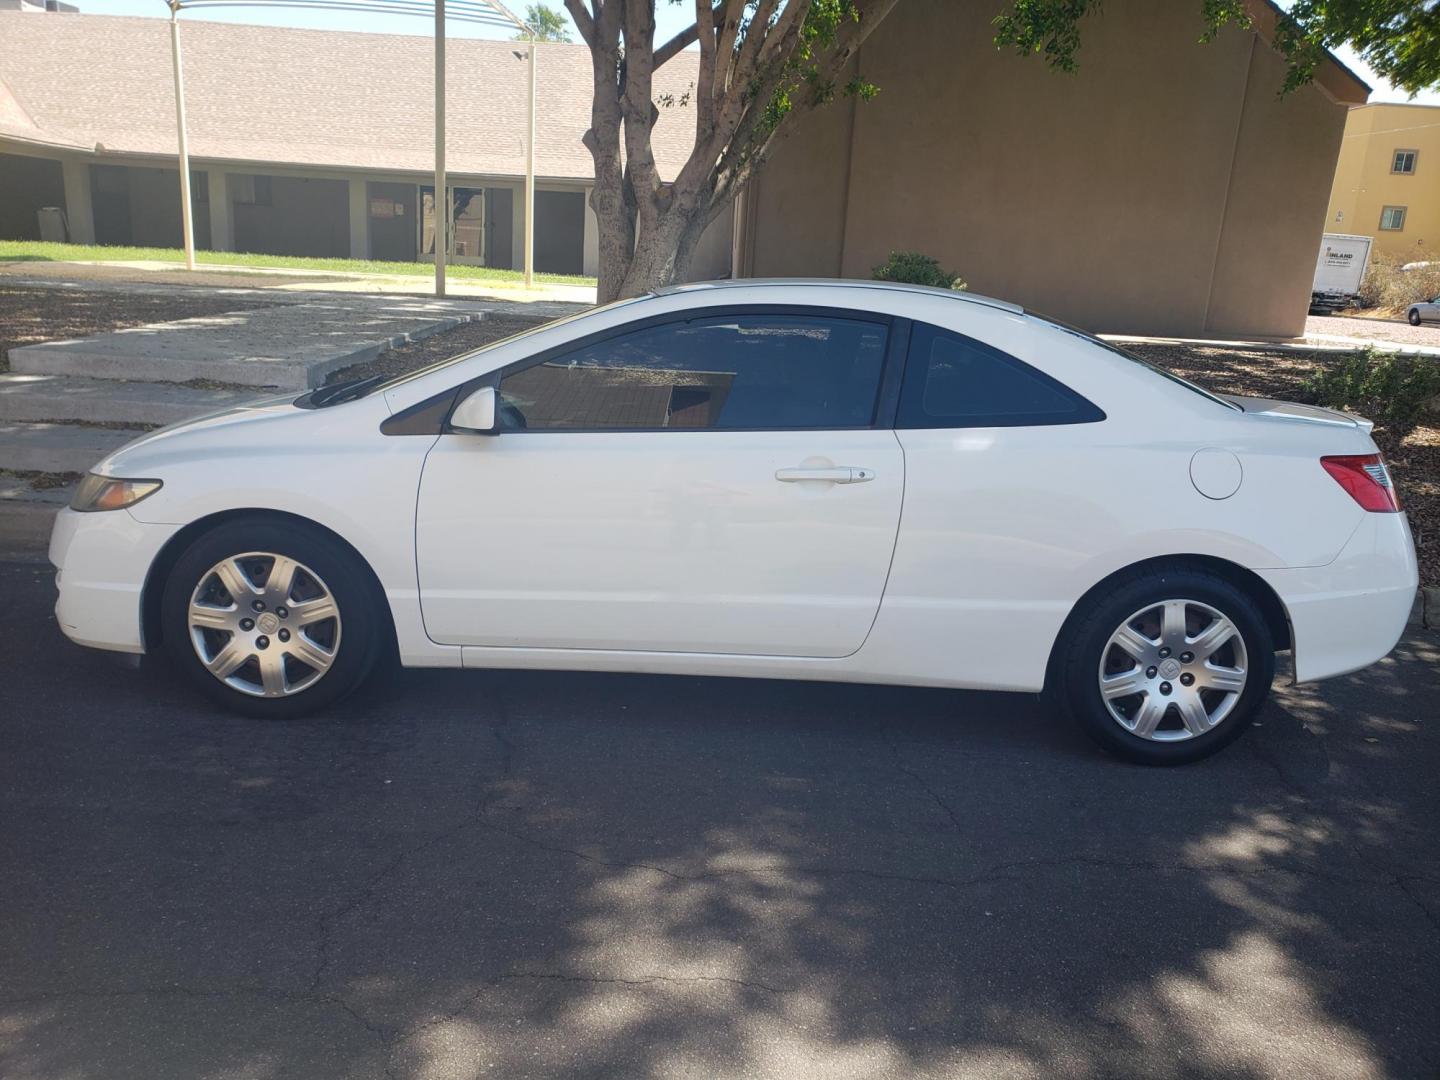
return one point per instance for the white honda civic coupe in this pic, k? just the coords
(850, 481)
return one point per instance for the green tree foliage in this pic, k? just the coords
(548, 24)
(1400, 39)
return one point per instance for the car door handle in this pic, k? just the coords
(835, 474)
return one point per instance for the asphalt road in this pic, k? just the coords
(516, 875)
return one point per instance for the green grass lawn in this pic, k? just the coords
(38, 251)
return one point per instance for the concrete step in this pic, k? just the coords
(57, 448)
(109, 401)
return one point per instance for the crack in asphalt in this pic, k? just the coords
(920, 781)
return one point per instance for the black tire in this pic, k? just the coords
(1414, 317)
(363, 630)
(1084, 648)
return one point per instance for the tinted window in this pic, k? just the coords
(953, 381)
(730, 372)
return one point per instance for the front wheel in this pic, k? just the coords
(271, 620)
(1168, 667)
(1414, 317)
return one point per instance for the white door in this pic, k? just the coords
(704, 486)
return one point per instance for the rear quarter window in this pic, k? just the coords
(955, 381)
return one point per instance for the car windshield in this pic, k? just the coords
(449, 360)
(1110, 347)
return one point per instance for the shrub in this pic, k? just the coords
(1390, 388)
(914, 268)
(1387, 286)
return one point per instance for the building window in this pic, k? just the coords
(251, 190)
(1392, 218)
(1404, 162)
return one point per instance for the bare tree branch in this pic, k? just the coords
(687, 37)
(583, 21)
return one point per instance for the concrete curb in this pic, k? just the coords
(1429, 604)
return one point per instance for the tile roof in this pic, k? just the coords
(306, 97)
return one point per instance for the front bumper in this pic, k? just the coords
(1348, 614)
(102, 561)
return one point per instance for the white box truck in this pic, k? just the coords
(1339, 269)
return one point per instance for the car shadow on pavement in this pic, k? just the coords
(538, 874)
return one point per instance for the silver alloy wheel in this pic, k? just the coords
(1173, 670)
(264, 624)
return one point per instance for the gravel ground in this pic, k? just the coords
(29, 315)
(1397, 330)
(1415, 463)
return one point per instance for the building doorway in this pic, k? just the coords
(560, 232)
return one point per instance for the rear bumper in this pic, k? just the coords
(1348, 614)
(102, 561)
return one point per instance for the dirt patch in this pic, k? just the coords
(225, 279)
(30, 315)
(1415, 464)
(42, 481)
(464, 338)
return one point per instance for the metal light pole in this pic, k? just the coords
(187, 220)
(441, 200)
(530, 176)
(480, 12)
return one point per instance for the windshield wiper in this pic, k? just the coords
(348, 390)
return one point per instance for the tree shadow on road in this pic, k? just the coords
(529, 874)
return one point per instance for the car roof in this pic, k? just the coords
(842, 283)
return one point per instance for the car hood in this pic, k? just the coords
(268, 423)
(1290, 410)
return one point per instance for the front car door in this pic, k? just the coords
(710, 484)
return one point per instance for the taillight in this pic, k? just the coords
(1367, 480)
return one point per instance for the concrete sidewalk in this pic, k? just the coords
(285, 279)
(288, 346)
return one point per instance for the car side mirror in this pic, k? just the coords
(476, 414)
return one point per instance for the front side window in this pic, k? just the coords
(954, 381)
(1392, 218)
(1404, 162)
(752, 371)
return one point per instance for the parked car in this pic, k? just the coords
(853, 481)
(1426, 312)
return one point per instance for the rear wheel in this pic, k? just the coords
(272, 620)
(1414, 317)
(1169, 667)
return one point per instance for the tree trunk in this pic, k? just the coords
(649, 228)
(639, 256)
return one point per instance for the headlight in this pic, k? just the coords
(107, 493)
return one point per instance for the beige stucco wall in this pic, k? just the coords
(1364, 184)
(1162, 189)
